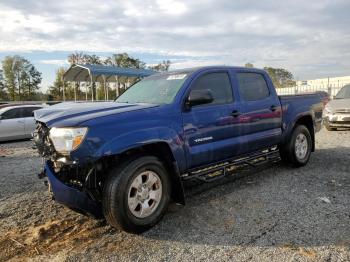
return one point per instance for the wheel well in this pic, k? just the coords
(308, 122)
(162, 151)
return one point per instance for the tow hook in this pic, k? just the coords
(42, 174)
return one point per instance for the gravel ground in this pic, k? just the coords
(275, 214)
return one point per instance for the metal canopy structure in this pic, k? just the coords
(95, 73)
(106, 74)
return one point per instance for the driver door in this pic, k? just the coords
(208, 127)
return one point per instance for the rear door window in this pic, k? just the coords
(252, 86)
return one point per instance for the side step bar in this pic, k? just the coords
(230, 166)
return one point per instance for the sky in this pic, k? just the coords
(309, 38)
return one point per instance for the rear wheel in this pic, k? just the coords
(298, 149)
(136, 194)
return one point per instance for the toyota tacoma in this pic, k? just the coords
(126, 160)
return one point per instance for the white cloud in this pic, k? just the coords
(172, 7)
(194, 63)
(292, 33)
(13, 20)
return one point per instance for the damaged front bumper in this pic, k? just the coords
(73, 185)
(78, 200)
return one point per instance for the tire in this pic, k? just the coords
(120, 195)
(290, 153)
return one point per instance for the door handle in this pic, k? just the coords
(235, 113)
(273, 108)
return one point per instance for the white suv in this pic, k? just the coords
(337, 111)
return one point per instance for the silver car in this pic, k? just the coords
(17, 122)
(337, 112)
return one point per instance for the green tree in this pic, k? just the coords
(8, 65)
(102, 91)
(31, 80)
(92, 59)
(163, 66)
(22, 79)
(81, 58)
(124, 60)
(56, 90)
(249, 65)
(76, 58)
(280, 77)
(3, 94)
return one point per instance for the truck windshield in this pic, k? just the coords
(344, 93)
(156, 89)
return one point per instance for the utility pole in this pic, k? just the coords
(329, 88)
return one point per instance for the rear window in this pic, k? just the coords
(252, 86)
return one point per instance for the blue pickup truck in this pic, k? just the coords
(126, 160)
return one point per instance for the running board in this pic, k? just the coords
(230, 166)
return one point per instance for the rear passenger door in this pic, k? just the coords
(260, 116)
(208, 127)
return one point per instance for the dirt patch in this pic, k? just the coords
(5, 152)
(50, 238)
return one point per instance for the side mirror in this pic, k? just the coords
(199, 97)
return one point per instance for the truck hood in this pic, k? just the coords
(340, 104)
(72, 114)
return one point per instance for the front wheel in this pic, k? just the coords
(136, 194)
(298, 149)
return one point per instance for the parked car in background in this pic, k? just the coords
(337, 111)
(17, 122)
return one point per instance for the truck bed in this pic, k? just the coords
(296, 105)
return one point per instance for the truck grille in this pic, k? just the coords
(343, 111)
(42, 141)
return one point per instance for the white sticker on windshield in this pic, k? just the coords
(176, 77)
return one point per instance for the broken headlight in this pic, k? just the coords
(66, 140)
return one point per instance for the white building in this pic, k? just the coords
(331, 85)
(325, 83)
